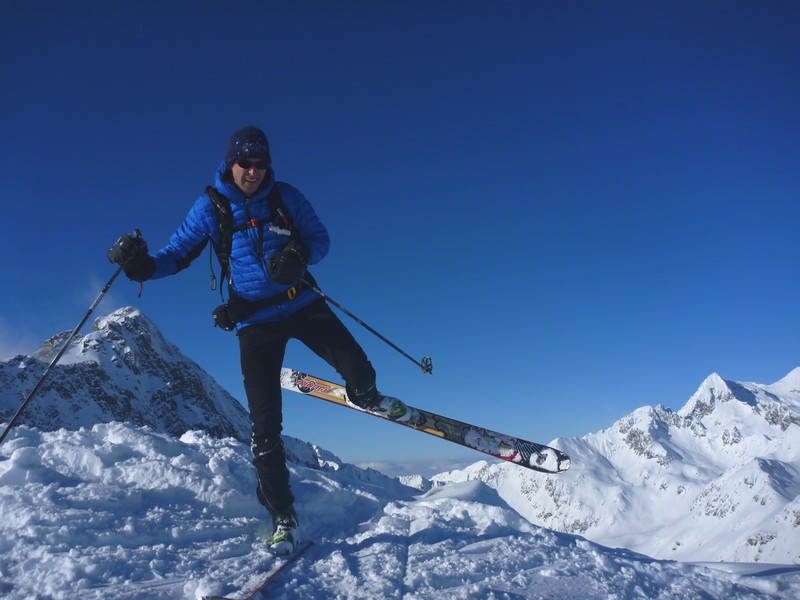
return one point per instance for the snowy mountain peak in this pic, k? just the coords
(788, 387)
(124, 370)
(719, 400)
(717, 480)
(128, 321)
(712, 392)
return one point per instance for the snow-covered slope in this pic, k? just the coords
(92, 507)
(123, 512)
(718, 480)
(124, 370)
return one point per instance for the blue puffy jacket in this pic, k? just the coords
(248, 265)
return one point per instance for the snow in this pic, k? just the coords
(131, 478)
(120, 511)
(719, 480)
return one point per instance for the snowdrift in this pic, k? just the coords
(120, 511)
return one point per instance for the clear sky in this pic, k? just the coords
(577, 208)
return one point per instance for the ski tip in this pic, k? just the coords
(549, 460)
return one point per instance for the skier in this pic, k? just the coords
(269, 302)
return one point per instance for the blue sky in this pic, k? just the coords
(577, 208)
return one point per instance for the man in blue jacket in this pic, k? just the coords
(267, 266)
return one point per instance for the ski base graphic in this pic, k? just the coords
(512, 449)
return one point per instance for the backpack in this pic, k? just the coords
(279, 215)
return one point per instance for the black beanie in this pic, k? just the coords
(248, 142)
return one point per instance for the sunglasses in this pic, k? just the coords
(259, 165)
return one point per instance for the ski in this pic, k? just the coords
(259, 582)
(512, 449)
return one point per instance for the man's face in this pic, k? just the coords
(248, 174)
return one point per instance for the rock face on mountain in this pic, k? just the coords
(717, 480)
(124, 370)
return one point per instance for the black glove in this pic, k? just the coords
(131, 253)
(288, 265)
(222, 318)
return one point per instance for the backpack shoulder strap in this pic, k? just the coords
(280, 214)
(222, 206)
(282, 218)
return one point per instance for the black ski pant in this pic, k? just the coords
(262, 347)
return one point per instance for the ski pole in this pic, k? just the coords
(426, 363)
(35, 389)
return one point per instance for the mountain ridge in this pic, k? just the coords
(123, 370)
(718, 480)
(715, 480)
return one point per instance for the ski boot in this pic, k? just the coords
(386, 406)
(284, 537)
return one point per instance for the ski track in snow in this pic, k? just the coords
(124, 512)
